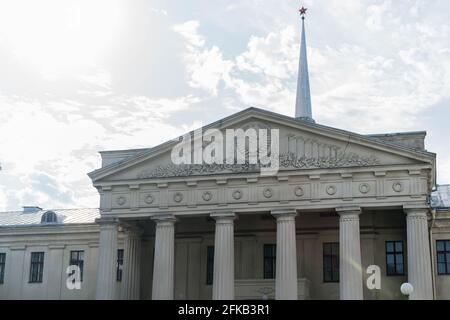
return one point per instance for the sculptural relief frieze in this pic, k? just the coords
(287, 162)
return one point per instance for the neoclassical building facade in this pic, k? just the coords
(362, 193)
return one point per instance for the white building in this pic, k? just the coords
(341, 202)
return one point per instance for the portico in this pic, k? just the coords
(286, 236)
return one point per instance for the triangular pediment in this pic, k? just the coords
(302, 145)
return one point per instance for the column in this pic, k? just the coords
(419, 258)
(107, 260)
(350, 268)
(132, 264)
(163, 264)
(286, 284)
(223, 278)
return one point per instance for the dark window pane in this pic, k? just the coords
(36, 267)
(331, 262)
(209, 265)
(448, 256)
(2, 266)
(400, 268)
(327, 262)
(390, 259)
(77, 259)
(447, 245)
(334, 261)
(269, 261)
(335, 249)
(441, 257)
(336, 276)
(119, 265)
(394, 258)
(440, 245)
(389, 247)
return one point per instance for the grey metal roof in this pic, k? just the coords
(441, 197)
(65, 216)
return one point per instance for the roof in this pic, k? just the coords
(65, 217)
(440, 199)
(144, 154)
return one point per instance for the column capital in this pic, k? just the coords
(284, 213)
(348, 211)
(418, 209)
(227, 216)
(166, 218)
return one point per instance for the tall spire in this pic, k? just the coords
(303, 102)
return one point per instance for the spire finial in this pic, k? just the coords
(303, 102)
(302, 11)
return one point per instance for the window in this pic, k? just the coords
(2, 267)
(270, 252)
(331, 262)
(77, 259)
(443, 256)
(209, 265)
(119, 265)
(49, 217)
(394, 258)
(36, 267)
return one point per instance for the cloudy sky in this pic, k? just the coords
(81, 76)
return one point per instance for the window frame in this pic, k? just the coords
(2, 267)
(446, 262)
(78, 261)
(209, 265)
(394, 254)
(333, 245)
(36, 267)
(119, 265)
(272, 258)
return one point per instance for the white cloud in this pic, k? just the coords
(206, 67)
(189, 31)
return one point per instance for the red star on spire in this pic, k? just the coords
(303, 11)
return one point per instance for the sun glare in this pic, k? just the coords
(58, 36)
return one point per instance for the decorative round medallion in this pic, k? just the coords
(331, 190)
(397, 187)
(364, 188)
(178, 197)
(299, 192)
(237, 195)
(207, 196)
(268, 193)
(149, 199)
(121, 200)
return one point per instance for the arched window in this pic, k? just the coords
(49, 217)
